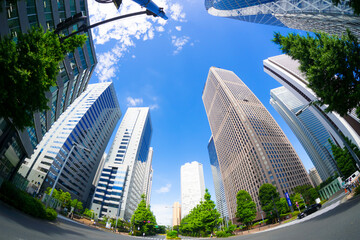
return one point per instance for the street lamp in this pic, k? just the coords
(63, 166)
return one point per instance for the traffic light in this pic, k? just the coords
(117, 3)
(79, 17)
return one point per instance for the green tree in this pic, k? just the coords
(354, 4)
(246, 208)
(29, 67)
(296, 198)
(345, 162)
(77, 205)
(269, 196)
(331, 65)
(283, 206)
(143, 218)
(308, 193)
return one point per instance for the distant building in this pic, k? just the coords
(308, 129)
(176, 219)
(308, 15)
(72, 80)
(251, 147)
(192, 186)
(89, 121)
(218, 181)
(127, 172)
(315, 177)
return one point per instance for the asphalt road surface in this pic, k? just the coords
(339, 223)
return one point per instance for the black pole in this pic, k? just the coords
(85, 28)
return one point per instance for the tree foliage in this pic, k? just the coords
(29, 66)
(246, 208)
(202, 219)
(308, 193)
(331, 65)
(143, 218)
(345, 162)
(269, 196)
(354, 4)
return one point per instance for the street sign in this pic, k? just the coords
(288, 199)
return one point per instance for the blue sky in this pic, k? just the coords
(164, 65)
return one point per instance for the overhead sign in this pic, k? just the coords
(288, 199)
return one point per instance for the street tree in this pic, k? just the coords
(345, 162)
(283, 206)
(143, 218)
(77, 205)
(246, 208)
(308, 193)
(29, 66)
(269, 196)
(331, 65)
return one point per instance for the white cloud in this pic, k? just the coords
(163, 213)
(154, 106)
(133, 56)
(178, 28)
(176, 12)
(179, 42)
(133, 102)
(126, 31)
(164, 189)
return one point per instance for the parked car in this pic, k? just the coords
(309, 210)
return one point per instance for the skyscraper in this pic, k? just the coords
(308, 129)
(192, 186)
(218, 181)
(286, 71)
(251, 147)
(176, 219)
(89, 121)
(308, 15)
(127, 173)
(314, 176)
(74, 74)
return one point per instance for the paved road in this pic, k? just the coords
(339, 223)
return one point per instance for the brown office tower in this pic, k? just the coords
(251, 147)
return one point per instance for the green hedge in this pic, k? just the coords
(172, 234)
(24, 202)
(222, 234)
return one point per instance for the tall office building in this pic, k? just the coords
(308, 15)
(74, 74)
(89, 121)
(308, 129)
(192, 186)
(251, 147)
(149, 172)
(315, 177)
(286, 71)
(176, 219)
(127, 170)
(218, 181)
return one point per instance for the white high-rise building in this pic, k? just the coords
(127, 170)
(314, 176)
(89, 121)
(192, 186)
(148, 177)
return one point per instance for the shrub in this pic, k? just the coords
(171, 234)
(221, 234)
(357, 190)
(21, 200)
(51, 214)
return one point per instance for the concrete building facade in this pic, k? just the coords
(176, 217)
(90, 122)
(315, 177)
(127, 171)
(251, 147)
(192, 186)
(308, 15)
(72, 80)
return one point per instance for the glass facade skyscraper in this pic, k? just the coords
(127, 172)
(308, 15)
(308, 129)
(218, 182)
(89, 121)
(251, 147)
(74, 73)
